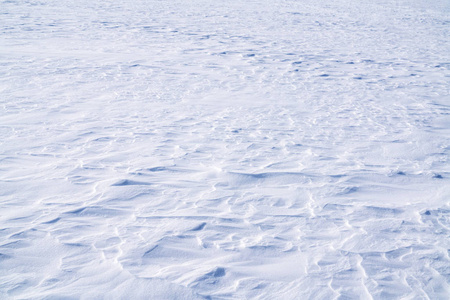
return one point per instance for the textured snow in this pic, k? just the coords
(224, 149)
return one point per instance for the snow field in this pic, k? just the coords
(194, 149)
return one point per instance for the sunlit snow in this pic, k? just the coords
(200, 149)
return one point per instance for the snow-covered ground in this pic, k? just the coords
(224, 149)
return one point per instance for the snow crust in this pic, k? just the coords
(224, 149)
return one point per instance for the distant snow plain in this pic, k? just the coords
(224, 149)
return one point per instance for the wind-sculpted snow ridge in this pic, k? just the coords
(224, 149)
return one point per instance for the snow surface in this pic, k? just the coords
(224, 149)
